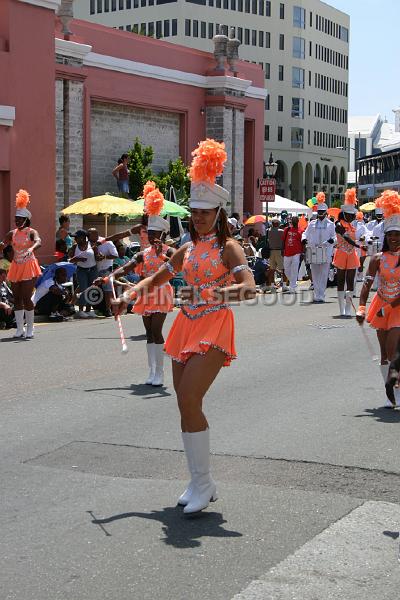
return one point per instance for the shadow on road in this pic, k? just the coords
(381, 414)
(180, 531)
(137, 389)
(137, 338)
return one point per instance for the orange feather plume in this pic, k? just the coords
(359, 216)
(320, 198)
(153, 199)
(350, 196)
(22, 199)
(149, 186)
(389, 201)
(208, 161)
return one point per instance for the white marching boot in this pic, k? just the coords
(151, 356)
(187, 494)
(205, 490)
(30, 317)
(158, 379)
(348, 305)
(384, 372)
(19, 319)
(341, 300)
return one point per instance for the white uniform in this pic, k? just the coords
(317, 234)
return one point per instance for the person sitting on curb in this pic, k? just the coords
(7, 317)
(50, 298)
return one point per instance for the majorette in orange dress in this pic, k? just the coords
(346, 256)
(206, 324)
(160, 299)
(23, 268)
(388, 291)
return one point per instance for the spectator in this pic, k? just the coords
(82, 254)
(292, 249)
(7, 317)
(275, 239)
(186, 236)
(62, 232)
(8, 255)
(121, 174)
(50, 297)
(61, 252)
(105, 252)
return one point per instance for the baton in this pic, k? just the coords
(124, 349)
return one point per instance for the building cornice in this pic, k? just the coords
(7, 115)
(72, 49)
(51, 4)
(131, 67)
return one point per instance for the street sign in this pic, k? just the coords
(267, 190)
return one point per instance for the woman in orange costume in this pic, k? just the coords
(201, 340)
(346, 258)
(24, 269)
(154, 306)
(384, 311)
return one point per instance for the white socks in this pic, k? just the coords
(30, 317)
(152, 363)
(19, 319)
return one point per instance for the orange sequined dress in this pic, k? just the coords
(206, 324)
(161, 298)
(23, 268)
(388, 291)
(346, 256)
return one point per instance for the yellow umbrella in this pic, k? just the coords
(368, 207)
(104, 205)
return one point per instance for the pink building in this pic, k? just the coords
(74, 102)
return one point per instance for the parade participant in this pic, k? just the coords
(320, 233)
(363, 234)
(378, 220)
(82, 255)
(24, 268)
(384, 311)
(201, 339)
(292, 249)
(345, 258)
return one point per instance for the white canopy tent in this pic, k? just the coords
(291, 206)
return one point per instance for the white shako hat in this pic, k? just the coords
(153, 205)
(157, 223)
(21, 202)
(378, 210)
(350, 201)
(208, 164)
(322, 207)
(389, 203)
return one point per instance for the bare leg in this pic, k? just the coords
(147, 326)
(157, 322)
(350, 276)
(392, 342)
(27, 288)
(197, 377)
(341, 278)
(382, 335)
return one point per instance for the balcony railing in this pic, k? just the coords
(386, 177)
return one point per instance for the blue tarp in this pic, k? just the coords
(51, 269)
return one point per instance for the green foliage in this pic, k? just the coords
(177, 177)
(139, 164)
(337, 203)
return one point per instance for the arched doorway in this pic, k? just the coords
(325, 179)
(309, 181)
(317, 176)
(296, 183)
(334, 178)
(342, 176)
(281, 177)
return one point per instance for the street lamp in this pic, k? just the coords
(270, 167)
(269, 183)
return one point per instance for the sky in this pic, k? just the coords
(374, 77)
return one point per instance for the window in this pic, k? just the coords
(280, 133)
(280, 72)
(113, 5)
(142, 3)
(92, 7)
(150, 29)
(233, 4)
(281, 41)
(281, 10)
(299, 17)
(107, 6)
(254, 7)
(99, 6)
(247, 37)
(310, 18)
(121, 5)
(298, 108)
(254, 37)
(298, 77)
(240, 34)
(261, 39)
(296, 137)
(129, 27)
(267, 71)
(267, 102)
(344, 34)
(225, 4)
(267, 39)
(261, 7)
(143, 28)
(135, 28)
(135, 3)
(203, 30)
(267, 8)
(151, 2)
(174, 24)
(195, 28)
(240, 5)
(218, 3)
(299, 45)
(166, 28)
(188, 27)
(210, 31)
(247, 6)
(158, 29)
(266, 133)
(280, 103)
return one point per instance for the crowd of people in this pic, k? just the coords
(216, 269)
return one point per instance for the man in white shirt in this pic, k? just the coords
(50, 297)
(320, 233)
(104, 252)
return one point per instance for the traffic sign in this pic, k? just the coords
(267, 190)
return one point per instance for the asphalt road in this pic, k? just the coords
(306, 459)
